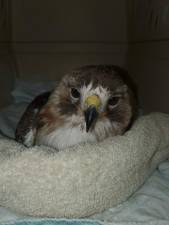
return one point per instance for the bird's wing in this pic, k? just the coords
(26, 129)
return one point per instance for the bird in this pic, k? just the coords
(90, 104)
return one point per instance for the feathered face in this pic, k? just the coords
(90, 104)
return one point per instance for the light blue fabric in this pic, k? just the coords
(81, 222)
(53, 222)
(26, 91)
(9, 118)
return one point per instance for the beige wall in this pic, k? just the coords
(50, 38)
(148, 58)
(7, 71)
(69, 21)
(149, 64)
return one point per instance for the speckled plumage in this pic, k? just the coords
(60, 122)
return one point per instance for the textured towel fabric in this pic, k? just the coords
(85, 179)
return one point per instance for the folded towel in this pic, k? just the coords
(85, 179)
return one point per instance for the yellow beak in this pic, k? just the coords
(93, 103)
(93, 100)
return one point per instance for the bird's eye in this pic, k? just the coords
(113, 101)
(75, 93)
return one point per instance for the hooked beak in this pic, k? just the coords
(93, 103)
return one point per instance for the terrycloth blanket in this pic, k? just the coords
(85, 179)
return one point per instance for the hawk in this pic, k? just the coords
(90, 104)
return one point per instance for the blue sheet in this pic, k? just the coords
(53, 222)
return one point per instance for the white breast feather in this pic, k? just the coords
(69, 135)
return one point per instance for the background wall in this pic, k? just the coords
(7, 70)
(148, 56)
(50, 38)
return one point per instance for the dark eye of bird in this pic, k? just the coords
(75, 93)
(113, 101)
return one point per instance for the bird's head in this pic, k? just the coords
(99, 99)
